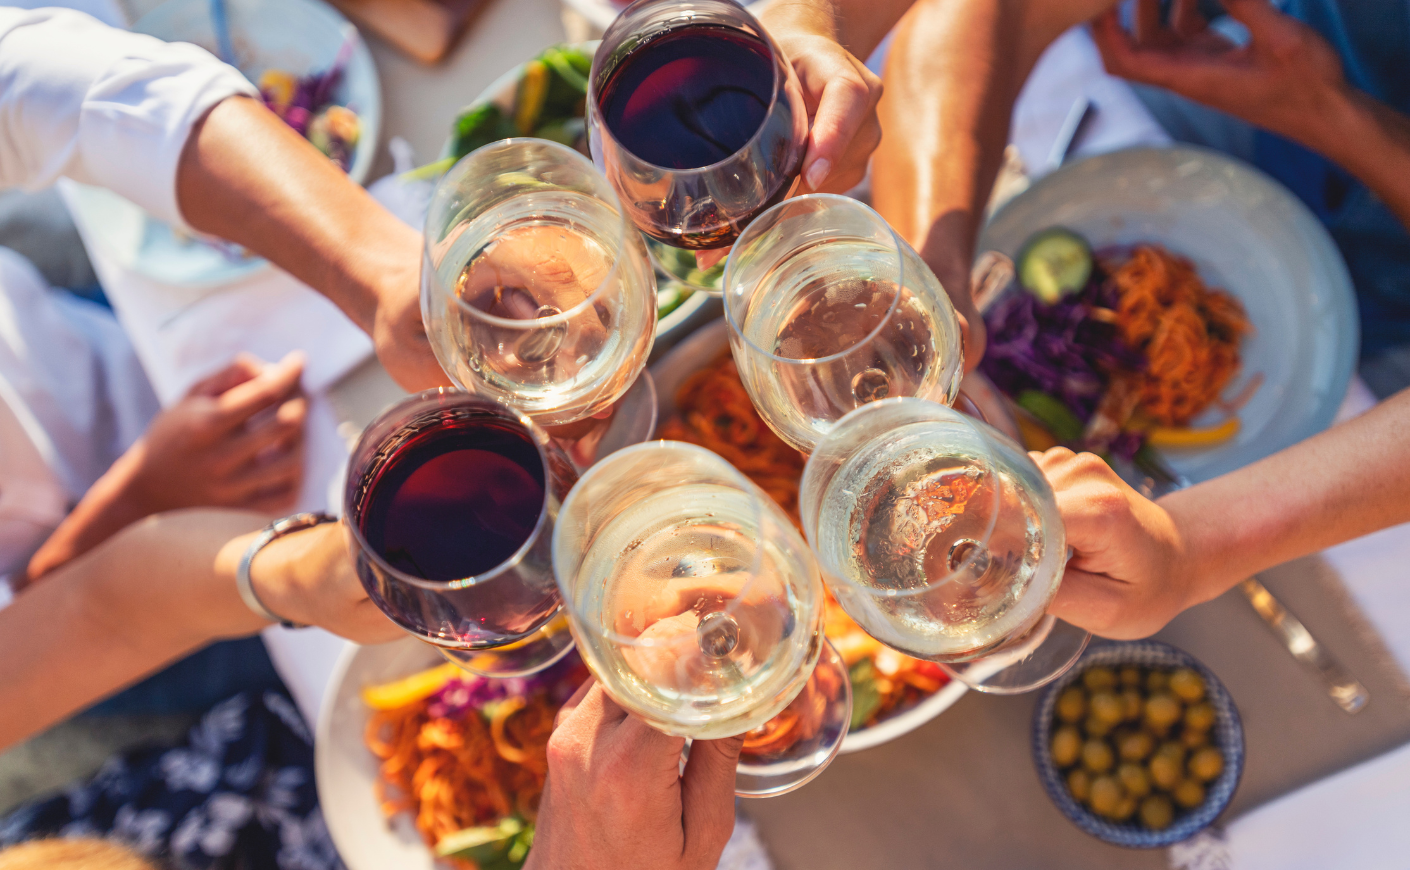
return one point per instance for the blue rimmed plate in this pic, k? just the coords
(1228, 734)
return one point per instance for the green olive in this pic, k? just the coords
(1188, 794)
(1167, 765)
(1096, 727)
(1130, 677)
(1156, 812)
(1099, 679)
(1097, 756)
(1106, 794)
(1079, 782)
(1157, 681)
(1126, 809)
(1136, 746)
(1108, 707)
(1187, 685)
(1067, 746)
(1162, 711)
(1072, 704)
(1192, 739)
(1135, 703)
(1134, 779)
(1207, 764)
(1200, 717)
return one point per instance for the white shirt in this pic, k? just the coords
(102, 106)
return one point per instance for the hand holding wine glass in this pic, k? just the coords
(1129, 574)
(942, 539)
(616, 796)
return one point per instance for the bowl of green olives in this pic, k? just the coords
(1139, 744)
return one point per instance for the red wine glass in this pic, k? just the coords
(696, 117)
(450, 502)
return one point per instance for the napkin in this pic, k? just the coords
(1356, 818)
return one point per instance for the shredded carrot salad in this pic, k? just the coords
(1188, 333)
(714, 412)
(459, 772)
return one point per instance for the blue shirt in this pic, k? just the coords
(1373, 39)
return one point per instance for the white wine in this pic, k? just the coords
(707, 630)
(946, 553)
(842, 333)
(544, 257)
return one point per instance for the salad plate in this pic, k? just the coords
(1245, 234)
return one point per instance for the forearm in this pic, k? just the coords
(1372, 142)
(1349, 481)
(154, 592)
(245, 176)
(952, 76)
(109, 506)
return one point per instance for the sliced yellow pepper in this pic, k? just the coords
(1170, 436)
(409, 690)
(533, 91)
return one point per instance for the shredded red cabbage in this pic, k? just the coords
(1059, 349)
(469, 692)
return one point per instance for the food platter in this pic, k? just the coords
(1245, 234)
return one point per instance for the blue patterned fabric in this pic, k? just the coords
(240, 788)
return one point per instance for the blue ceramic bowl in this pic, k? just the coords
(1227, 735)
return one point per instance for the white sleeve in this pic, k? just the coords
(100, 105)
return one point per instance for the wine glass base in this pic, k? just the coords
(542, 649)
(630, 420)
(1025, 663)
(790, 750)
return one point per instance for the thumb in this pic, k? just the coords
(707, 794)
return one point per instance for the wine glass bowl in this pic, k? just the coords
(696, 117)
(828, 310)
(942, 539)
(450, 503)
(535, 289)
(700, 610)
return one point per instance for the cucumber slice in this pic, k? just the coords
(1054, 263)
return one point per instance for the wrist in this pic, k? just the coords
(1204, 566)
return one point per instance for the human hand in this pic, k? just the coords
(1287, 79)
(1129, 574)
(840, 94)
(236, 440)
(615, 798)
(398, 333)
(308, 577)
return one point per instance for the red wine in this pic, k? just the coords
(455, 500)
(690, 97)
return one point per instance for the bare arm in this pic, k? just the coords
(245, 176)
(1139, 563)
(154, 592)
(951, 79)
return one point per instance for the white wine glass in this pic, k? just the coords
(699, 608)
(536, 290)
(828, 310)
(942, 539)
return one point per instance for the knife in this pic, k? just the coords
(1343, 688)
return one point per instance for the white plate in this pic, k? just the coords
(1246, 234)
(298, 36)
(698, 349)
(346, 770)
